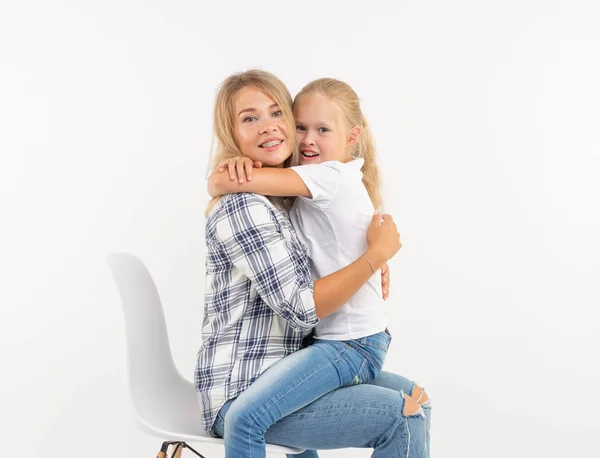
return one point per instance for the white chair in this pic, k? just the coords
(164, 403)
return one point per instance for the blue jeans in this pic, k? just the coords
(356, 416)
(361, 416)
(295, 382)
(395, 383)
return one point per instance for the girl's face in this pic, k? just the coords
(320, 130)
(260, 127)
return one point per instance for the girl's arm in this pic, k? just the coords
(336, 289)
(268, 181)
(332, 291)
(256, 248)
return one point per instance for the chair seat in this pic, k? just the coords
(172, 436)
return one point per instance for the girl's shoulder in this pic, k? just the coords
(336, 168)
(352, 164)
(348, 169)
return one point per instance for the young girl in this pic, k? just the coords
(338, 189)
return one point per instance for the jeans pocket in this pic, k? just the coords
(368, 372)
(381, 340)
(362, 375)
(365, 366)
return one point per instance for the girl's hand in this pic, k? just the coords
(239, 168)
(383, 239)
(385, 281)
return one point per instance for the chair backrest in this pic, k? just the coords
(162, 399)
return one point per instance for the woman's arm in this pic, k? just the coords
(268, 181)
(244, 233)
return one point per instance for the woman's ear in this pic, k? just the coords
(354, 136)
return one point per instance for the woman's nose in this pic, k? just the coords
(268, 126)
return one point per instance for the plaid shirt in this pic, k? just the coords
(258, 303)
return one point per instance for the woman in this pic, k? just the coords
(260, 301)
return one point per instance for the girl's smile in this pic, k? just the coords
(320, 129)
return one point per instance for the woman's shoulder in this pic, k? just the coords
(242, 216)
(241, 205)
(248, 198)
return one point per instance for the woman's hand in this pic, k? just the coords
(383, 239)
(385, 281)
(239, 168)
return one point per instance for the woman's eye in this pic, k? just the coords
(323, 129)
(276, 113)
(250, 118)
(300, 128)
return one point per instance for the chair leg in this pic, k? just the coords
(178, 447)
(177, 451)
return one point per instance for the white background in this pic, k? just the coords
(487, 121)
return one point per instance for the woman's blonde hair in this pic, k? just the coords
(226, 145)
(344, 96)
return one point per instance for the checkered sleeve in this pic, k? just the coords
(278, 269)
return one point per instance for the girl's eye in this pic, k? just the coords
(300, 128)
(276, 113)
(250, 118)
(323, 129)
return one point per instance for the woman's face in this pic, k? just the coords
(260, 128)
(320, 130)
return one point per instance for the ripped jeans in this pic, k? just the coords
(360, 416)
(297, 381)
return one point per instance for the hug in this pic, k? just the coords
(295, 331)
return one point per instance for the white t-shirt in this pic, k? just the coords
(333, 225)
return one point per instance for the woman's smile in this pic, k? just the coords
(271, 144)
(260, 127)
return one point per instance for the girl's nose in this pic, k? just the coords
(307, 139)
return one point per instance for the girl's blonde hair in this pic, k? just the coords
(345, 97)
(223, 125)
